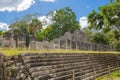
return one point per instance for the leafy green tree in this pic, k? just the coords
(64, 20)
(111, 14)
(34, 27)
(95, 20)
(17, 28)
(99, 38)
(46, 34)
(1, 32)
(107, 21)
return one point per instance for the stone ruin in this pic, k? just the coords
(58, 66)
(21, 41)
(7, 41)
(32, 42)
(76, 40)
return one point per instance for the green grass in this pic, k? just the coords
(10, 52)
(113, 76)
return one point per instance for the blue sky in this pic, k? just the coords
(11, 9)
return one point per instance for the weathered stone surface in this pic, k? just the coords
(76, 40)
(7, 42)
(79, 35)
(60, 66)
(57, 66)
(1, 67)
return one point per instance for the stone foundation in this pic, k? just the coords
(57, 66)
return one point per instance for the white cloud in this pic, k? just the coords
(15, 5)
(46, 20)
(83, 22)
(48, 0)
(4, 26)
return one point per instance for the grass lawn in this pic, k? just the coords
(10, 52)
(113, 76)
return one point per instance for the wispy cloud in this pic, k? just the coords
(15, 5)
(48, 0)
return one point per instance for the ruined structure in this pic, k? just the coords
(76, 40)
(7, 41)
(57, 66)
(21, 41)
(32, 42)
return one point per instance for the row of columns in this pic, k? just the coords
(67, 44)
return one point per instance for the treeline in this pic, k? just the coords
(63, 20)
(104, 25)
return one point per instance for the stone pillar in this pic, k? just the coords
(76, 45)
(65, 44)
(70, 44)
(59, 46)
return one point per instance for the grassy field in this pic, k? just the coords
(113, 76)
(10, 52)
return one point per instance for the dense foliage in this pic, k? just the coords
(64, 20)
(105, 24)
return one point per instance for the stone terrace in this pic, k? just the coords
(57, 66)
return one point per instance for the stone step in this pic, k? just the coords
(53, 59)
(50, 63)
(55, 54)
(63, 65)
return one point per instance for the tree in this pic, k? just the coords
(1, 32)
(107, 17)
(100, 38)
(34, 27)
(20, 26)
(64, 21)
(111, 14)
(17, 28)
(95, 20)
(46, 34)
(107, 21)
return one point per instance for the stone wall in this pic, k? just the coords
(76, 40)
(7, 43)
(57, 66)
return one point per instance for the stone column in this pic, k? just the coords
(70, 44)
(59, 44)
(65, 43)
(76, 45)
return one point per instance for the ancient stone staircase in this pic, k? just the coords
(58, 66)
(62, 66)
